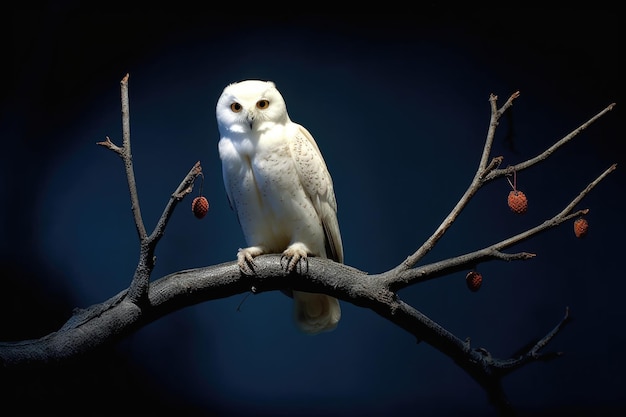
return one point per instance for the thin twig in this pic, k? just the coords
(437, 269)
(483, 169)
(496, 173)
(496, 114)
(125, 153)
(533, 352)
(138, 290)
(486, 173)
(396, 280)
(128, 161)
(110, 145)
(185, 187)
(587, 189)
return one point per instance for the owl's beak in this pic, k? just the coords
(250, 118)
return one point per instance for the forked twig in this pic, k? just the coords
(477, 182)
(138, 289)
(400, 279)
(488, 172)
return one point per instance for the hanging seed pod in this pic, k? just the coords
(200, 206)
(581, 227)
(473, 280)
(518, 202)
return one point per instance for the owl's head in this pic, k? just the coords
(248, 105)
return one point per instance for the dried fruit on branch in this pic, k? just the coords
(518, 202)
(581, 227)
(200, 206)
(473, 280)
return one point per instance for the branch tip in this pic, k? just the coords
(107, 143)
(494, 164)
(197, 169)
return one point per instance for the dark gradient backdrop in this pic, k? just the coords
(399, 106)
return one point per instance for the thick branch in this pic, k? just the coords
(110, 321)
(114, 318)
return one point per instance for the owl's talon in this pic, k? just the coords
(296, 257)
(245, 259)
(303, 261)
(290, 262)
(246, 266)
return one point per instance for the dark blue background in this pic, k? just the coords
(399, 107)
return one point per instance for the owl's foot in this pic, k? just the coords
(245, 259)
(295, 255)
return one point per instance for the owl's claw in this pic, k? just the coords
(295, 257)
(245, 259)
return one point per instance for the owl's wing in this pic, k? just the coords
(318, 186)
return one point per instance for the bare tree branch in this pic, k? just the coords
(139, 286)
(114, 319)
(144, 302)
(496, 114)
(532, 353)
(477, 182)
(125, 153)
(138, 291)
(487, 173)
(496, 173)
(398, 278)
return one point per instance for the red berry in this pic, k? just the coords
(473, 280)
(581, 227)
(200, 206)
(518, 202)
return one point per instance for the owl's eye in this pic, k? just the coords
(236, 107)
(262, 104)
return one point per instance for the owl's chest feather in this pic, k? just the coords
(274, 173)
(267, 156)
(270, 188)
(260, 166)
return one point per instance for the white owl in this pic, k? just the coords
(278, 184)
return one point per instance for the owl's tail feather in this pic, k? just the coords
(316, 313)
